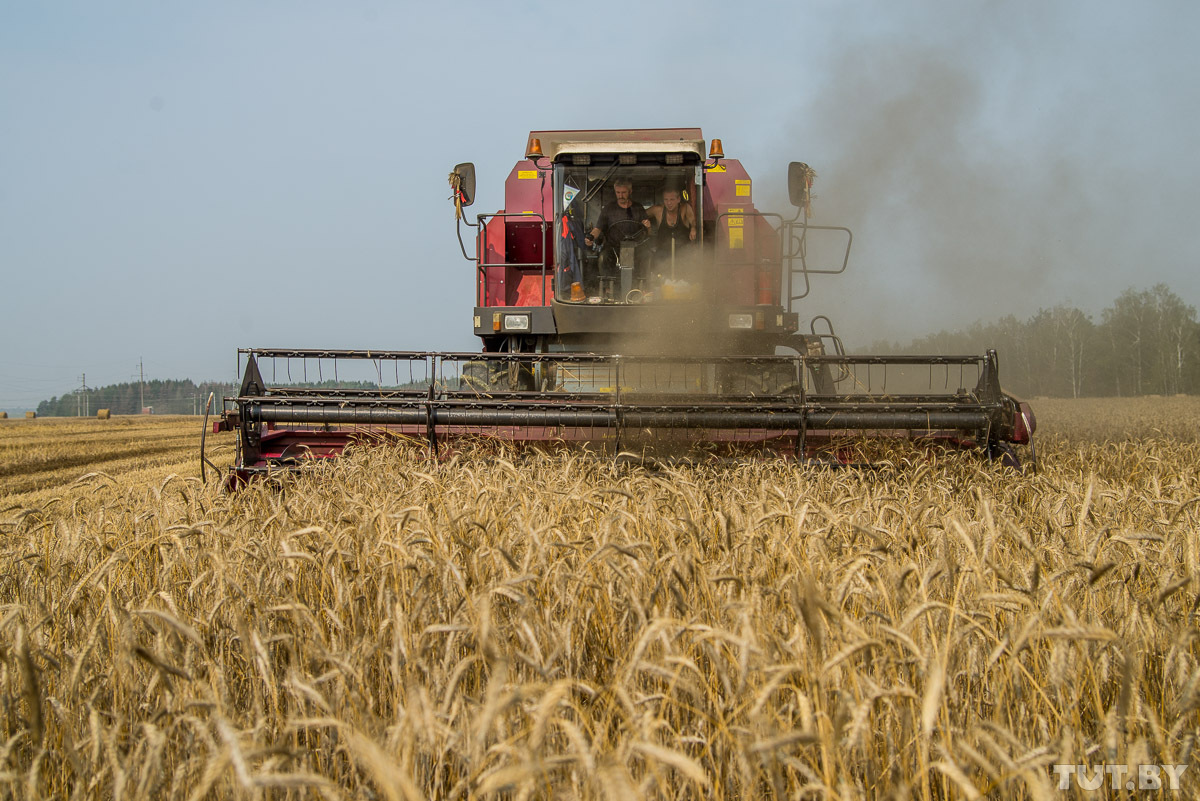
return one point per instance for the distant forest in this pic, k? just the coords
(1145, 343)
(164, 397)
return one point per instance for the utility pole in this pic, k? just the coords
(141, 387)
(83, 405)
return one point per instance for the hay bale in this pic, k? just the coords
(103, 414)
(3, 415)
(30, 415)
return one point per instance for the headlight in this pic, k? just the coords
(741, 321)
(516, 322)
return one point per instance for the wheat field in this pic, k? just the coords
(502, 625)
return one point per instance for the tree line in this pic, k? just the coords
(1146, 343)
(170, 396)
(164, 397)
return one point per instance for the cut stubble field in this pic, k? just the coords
(500, 625)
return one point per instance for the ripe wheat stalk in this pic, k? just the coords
(502, 625)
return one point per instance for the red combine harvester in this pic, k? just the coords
(630, 297)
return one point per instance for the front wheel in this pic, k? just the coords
(498, 376)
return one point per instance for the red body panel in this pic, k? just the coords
(519, 238)
(532, 289)
(747, 258)
(528, 190)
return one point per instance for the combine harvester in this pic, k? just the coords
(602, 330)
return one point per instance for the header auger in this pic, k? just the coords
(630, 297)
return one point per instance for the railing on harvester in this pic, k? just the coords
(609, 398)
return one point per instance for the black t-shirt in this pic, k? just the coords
(680, 232)
(612, 213)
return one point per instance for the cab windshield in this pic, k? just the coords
(624, 233)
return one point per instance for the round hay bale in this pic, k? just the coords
(3, 415)
(30, 415)
(103, 414)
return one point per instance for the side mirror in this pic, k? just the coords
(462, 181)
(800, 179)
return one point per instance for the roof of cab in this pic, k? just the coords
(626, 140)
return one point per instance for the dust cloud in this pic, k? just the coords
(957, 218)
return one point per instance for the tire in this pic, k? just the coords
(497, 376)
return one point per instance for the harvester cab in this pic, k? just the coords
(630, 296)
(636, 240)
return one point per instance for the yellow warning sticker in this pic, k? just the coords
(525, 175)
(714, 168)
(743, 187)
(735, 221)
(735, 238)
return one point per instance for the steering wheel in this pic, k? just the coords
(627, 231)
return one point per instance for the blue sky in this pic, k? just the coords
(178, 180)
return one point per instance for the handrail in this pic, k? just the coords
(787, 257)
(482, 247)
(452, 356)
(445, 369)
(787, 231)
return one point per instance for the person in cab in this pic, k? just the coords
(674, 221)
